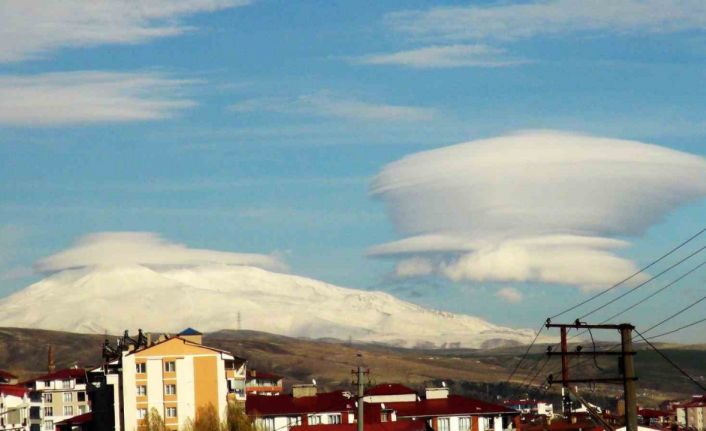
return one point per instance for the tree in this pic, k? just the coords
(207, 419)
(153, 421)
(236, 419)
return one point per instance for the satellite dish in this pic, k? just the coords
(313, 381)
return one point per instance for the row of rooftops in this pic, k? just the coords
(341, 401)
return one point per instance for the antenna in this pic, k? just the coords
(240, 322)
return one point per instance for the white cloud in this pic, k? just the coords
(144, 248)
(444, 56)
(509, 294)
(538, 206)
(89, 97)
(11, 239)
(325, 104)
(503, 21)
(30, 29)
(414, 267)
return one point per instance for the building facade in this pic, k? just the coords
(176, 376)
(261, 383)
(57, 396)
(14, 408)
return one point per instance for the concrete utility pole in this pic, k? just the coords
(361, 395)
(360, 373)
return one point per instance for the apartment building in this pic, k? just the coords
(304, 406)
(174, 375)
(57, 396)
(262, 383)
(440, 410)
(14, 408)
(385, 404)
(7, 378)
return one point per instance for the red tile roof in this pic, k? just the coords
(380, 426)
(651, 413)
(16, 390)
(254, 374)
(280, 405)
(66, 373)
(390, 389)
(77, 420)
(453, 405)
(7, 376)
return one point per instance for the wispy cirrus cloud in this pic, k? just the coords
(441, 56)
(31, 29)
(538, 206)
(51, 99)
(326, 104)
(444, 29)
(507, 21)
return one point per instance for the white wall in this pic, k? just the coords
(186, 404)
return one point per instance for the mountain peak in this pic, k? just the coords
(210, 297)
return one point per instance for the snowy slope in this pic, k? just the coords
(209, 297)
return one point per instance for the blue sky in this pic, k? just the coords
(258, 126)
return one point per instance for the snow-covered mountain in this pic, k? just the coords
(209, 298)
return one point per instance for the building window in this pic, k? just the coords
(444, 424)
(66, 384)
(140, 367)
(68, 397)
(334, 419)
(293, 421)
(48, 411)
(384, 417)
(170, 366)
(268, 424)
(68, 410)
(141, 413)
(82, 409)
(314, 420)
(171, 412)
(170, 389)
(464, 424)
(48, 425)
(47, 384)
(48, 398)
(141, 391)
(81, 397)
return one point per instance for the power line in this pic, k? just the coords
(644, 282)
(670, 252)
(653, 294)
(675, 314)
(631, 276)
(677, 329)
(514, 370)
(526, 386)
(666, 358)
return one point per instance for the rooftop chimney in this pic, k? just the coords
(51, 366)
(305, 390)
(436, 393)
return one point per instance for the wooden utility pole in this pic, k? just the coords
(627, 370)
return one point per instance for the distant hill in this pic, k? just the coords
(480, 373)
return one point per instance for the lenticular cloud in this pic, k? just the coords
(539, 206)
(144, 248)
